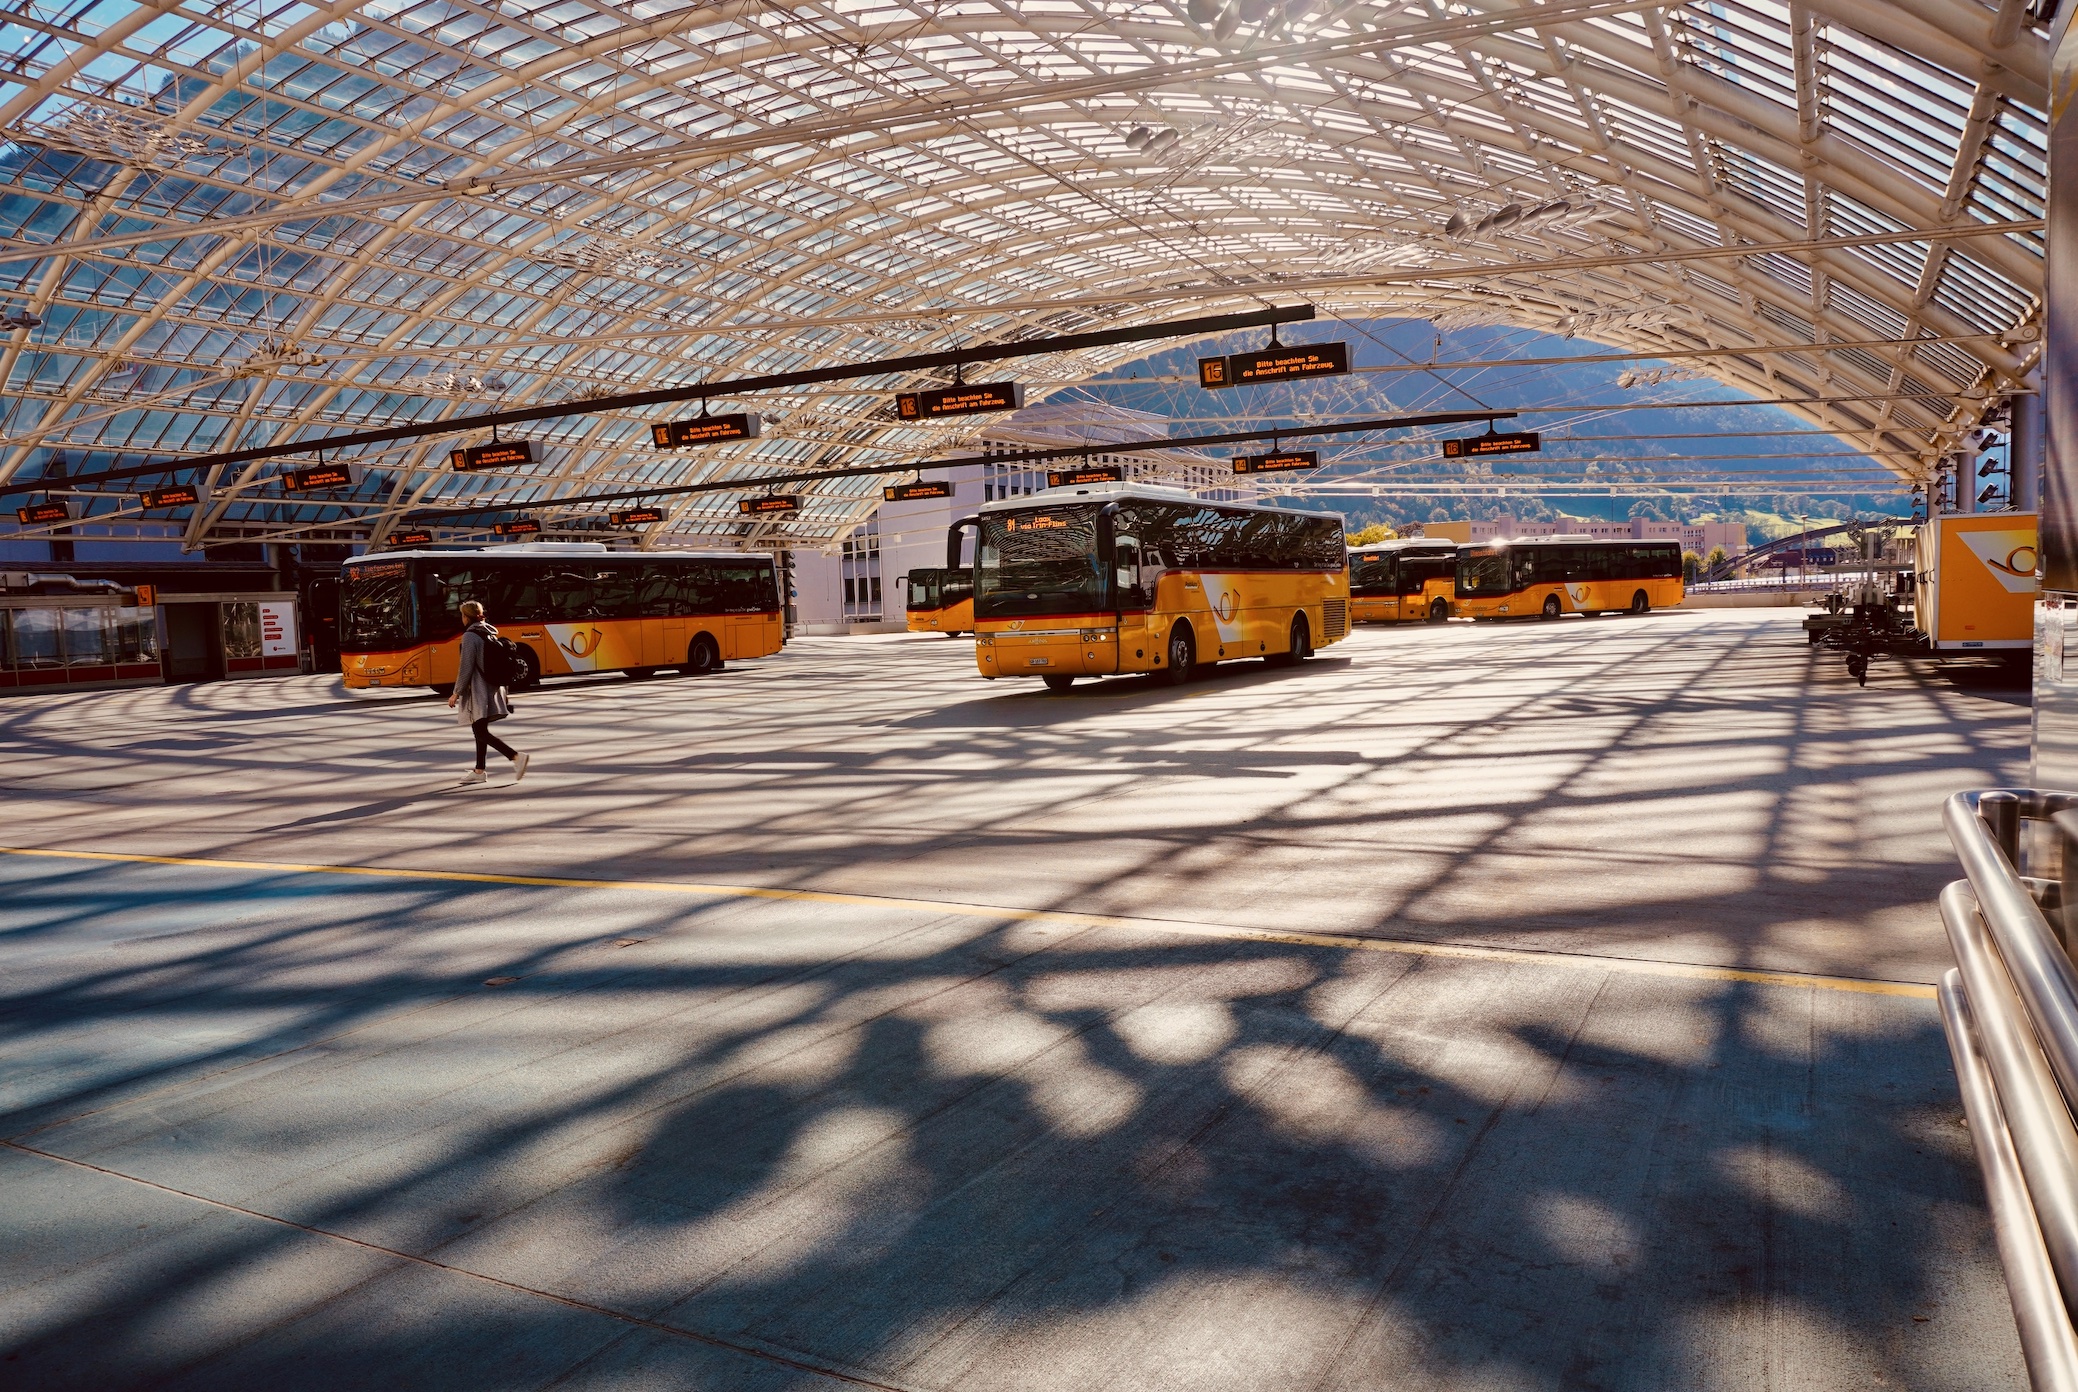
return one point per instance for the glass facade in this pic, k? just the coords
(54, 639)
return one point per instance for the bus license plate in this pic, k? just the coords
(1040, 661)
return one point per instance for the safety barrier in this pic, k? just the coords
(2010, 1010)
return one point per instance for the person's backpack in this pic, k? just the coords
(503, 664)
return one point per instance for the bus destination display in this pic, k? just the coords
(704, 430)
(498, 455)
(172, 495)
(410, 538)
(526, 526)
(915, 492)
(968, 400)
(1091, 473)
(44, 512)
(1289, 363)
(312, 479)
(774, 502)
(1273, 463)
(1473, 446)
(635, 517)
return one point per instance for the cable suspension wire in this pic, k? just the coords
(731, 387)
(1159, 443)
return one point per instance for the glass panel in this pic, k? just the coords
(6, 640)
(86, 637)
(241, 630)
(36, 639)
(135, 635)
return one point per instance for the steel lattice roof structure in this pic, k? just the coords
(253, 221)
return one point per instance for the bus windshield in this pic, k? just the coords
(375, 608)
(924, 589)
(1482, 572)
(1371, 575)
(1038, 561)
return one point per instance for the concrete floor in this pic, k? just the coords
(1428, 1017)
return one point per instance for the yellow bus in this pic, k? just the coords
(1114, 578)
(1402, 581)
(940, 601)
(571, 606)
(1544, 577)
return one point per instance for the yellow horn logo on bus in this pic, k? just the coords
(583, 644)
(2021, 560)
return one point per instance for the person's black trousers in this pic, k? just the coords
(485, 739)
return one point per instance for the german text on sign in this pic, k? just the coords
(1094, 473)
(960, 401)
(322, 476)
(1273, 463)
(500, 455)
(1473, 446)
(1286, 363)
(913, 492)
(704, 430)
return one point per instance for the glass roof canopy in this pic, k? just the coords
(233, 224)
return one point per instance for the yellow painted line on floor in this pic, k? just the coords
(1629, 966)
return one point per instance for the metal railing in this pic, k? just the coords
(2010, 1011)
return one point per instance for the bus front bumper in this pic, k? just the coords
(1075, 652)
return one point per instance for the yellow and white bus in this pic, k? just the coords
(940, 600)
(1414, 578)
(571, 606)
(1115, 578)
(1544, 577)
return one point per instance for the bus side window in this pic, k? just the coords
(613, 593)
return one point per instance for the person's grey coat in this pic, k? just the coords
(476, 698)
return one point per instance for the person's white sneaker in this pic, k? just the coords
(519, 766)
(477, 776)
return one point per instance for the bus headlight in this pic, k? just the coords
(1095, 635)
(984, 640)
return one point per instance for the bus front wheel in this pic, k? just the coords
(703, 657)
(1439, 610)
(1058, 681)
(1551, 606)
(1183, 655)
(1640, 603)
(531, 677)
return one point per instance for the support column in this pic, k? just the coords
(2054, 745)
(2024, 447)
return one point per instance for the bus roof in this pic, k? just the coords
(1571, 539)
(544, 553)
(1146, 492)
(1387, 548)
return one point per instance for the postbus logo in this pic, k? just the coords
(2010, 556)
(1228, 606)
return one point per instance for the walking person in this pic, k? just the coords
(477, 699)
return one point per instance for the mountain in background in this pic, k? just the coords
(1616, 442)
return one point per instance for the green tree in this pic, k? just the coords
(1715, 558)
(1690, 562)
(1377, 531)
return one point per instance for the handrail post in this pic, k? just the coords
(2010, 1013)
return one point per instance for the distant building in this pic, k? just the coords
(859, 586)
(1699, 537)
